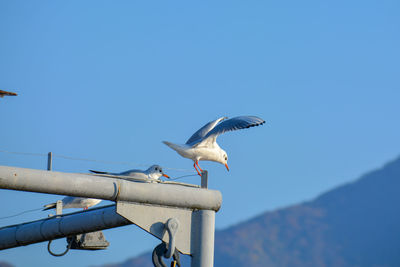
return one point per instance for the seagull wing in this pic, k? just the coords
(67, 201)
(197, 136)
(233, 124)
(130, 172)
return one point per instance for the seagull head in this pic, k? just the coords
(223, 158)
(155, 172)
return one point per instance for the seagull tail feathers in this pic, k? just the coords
(172, 145)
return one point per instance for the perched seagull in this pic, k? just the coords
(202, 145)
(74, 202)
(153, 173)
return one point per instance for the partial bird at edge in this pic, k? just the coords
(74, 202)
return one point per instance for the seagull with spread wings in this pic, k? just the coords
(202, 145)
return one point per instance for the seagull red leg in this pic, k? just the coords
(194, 165)
(197, 162)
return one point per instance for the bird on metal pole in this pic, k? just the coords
(202, 145)
(154, 172)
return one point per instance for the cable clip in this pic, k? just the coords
(162, 251)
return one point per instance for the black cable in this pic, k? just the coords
(61, 254)
(6, 217)
(182, 177)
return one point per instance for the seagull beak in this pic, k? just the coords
(166, 176)
(226, 165)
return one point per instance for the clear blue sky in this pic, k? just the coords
(109, 80)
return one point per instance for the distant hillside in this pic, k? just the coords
(5, 264)
(357, 224)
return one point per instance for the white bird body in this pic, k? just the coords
(202, 145)
(79, 202)
(199, 152)
(154, 172)
(74, 202)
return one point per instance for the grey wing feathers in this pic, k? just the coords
(125, 173)
(197, 136)
(130, 172)
(236, 123)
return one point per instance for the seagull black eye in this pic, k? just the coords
(160, 170)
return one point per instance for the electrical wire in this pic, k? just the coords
(18, 214)
(23, 153)
(180, 177)
(92, 160)
(87, 159)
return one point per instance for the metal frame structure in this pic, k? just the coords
(151, 206)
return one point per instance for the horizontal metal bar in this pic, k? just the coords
(91, 186)
(60, 226)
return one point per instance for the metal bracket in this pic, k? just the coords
(86, 241)
(89, 241)
(58, 209)
(172, 227)
(153, 219)
(162, 251)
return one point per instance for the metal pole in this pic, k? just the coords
(202, 203)
(203, 230)
(49, 161)
(91, 186)
(60, 226)
(204, 179)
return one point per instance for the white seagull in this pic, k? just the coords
(74, 202)
(154, 173)
(202, 145)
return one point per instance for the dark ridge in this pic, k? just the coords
(357, 224)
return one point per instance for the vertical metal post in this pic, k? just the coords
(203, 240)
(204, 179)
(59, 207)
(49, 161)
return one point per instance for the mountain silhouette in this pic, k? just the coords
(357, 224)
(5, 264)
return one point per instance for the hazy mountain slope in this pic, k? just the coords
(5, 264)
(357, 224)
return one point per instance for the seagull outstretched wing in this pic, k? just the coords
(197, 136)
(233, 124)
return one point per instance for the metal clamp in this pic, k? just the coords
(158, 254)
(86, 241)
(89, 241)
(172, 227)
(162, 251)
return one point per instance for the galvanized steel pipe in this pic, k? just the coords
(84, 185)
(60, 226)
